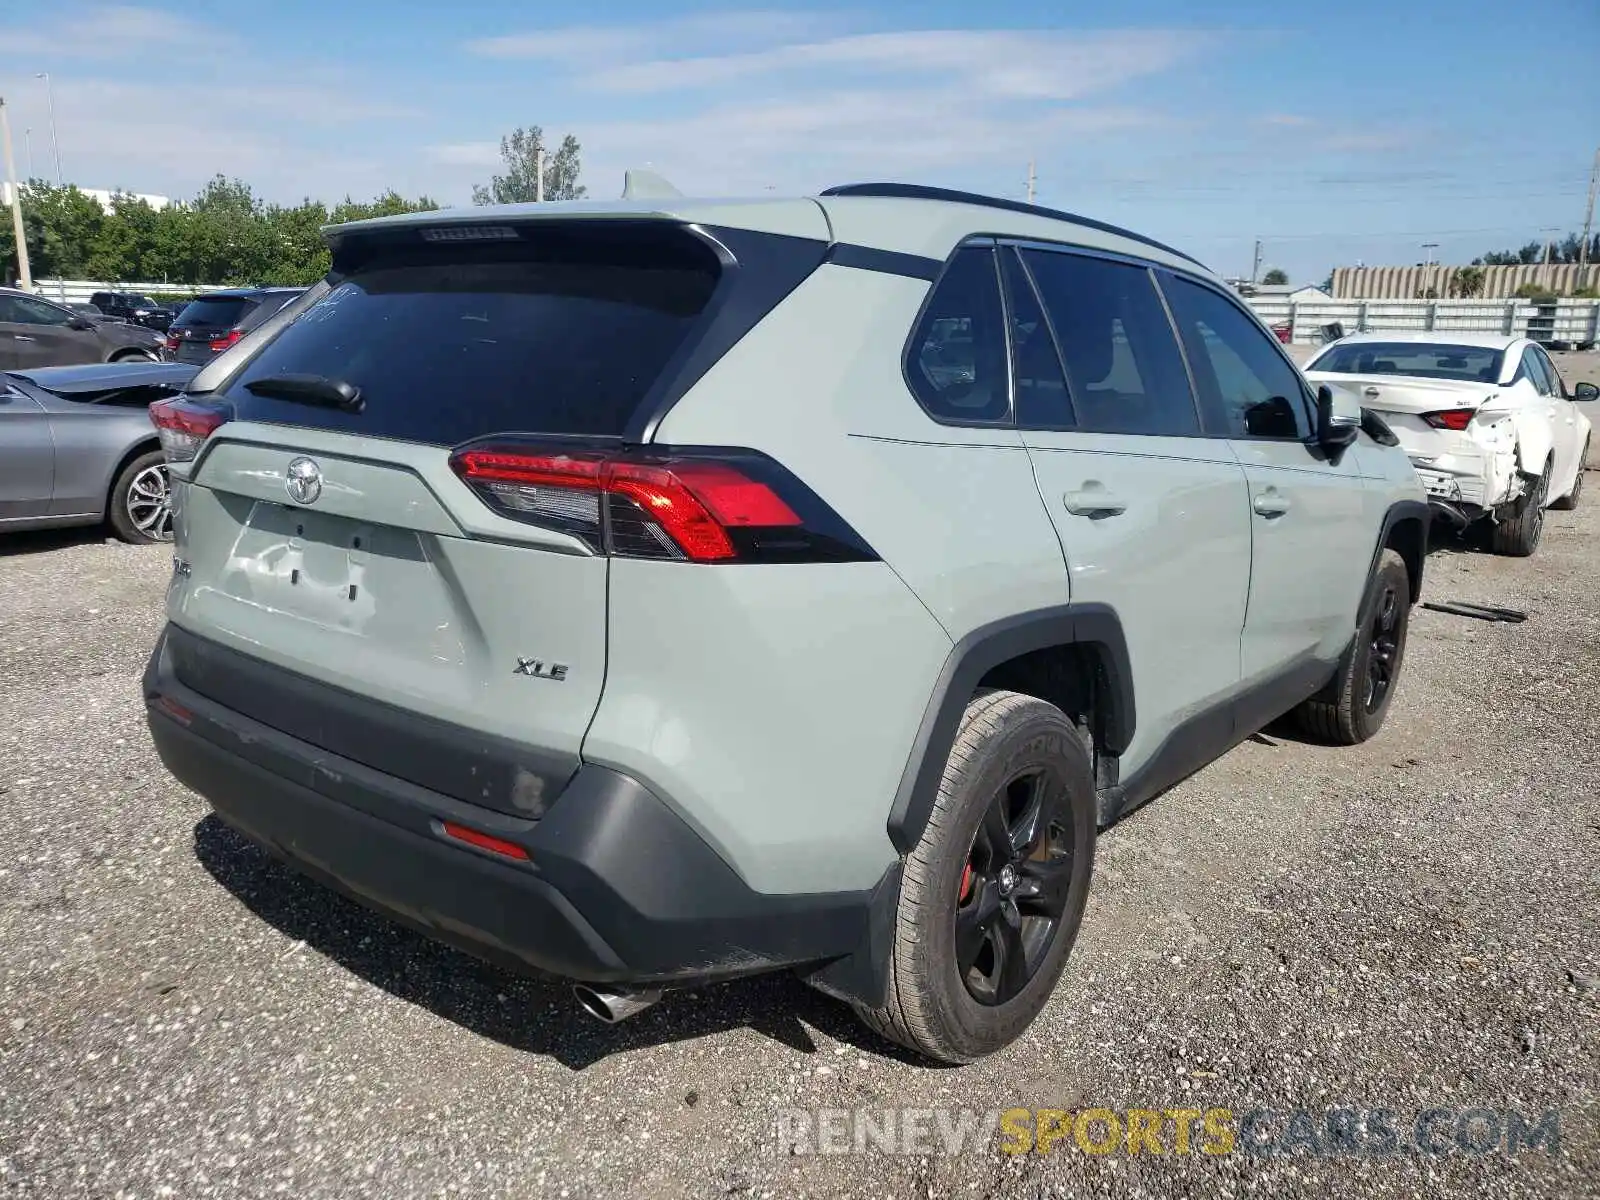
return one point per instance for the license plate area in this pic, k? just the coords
(343, 574)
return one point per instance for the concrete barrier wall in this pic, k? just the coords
(1410, 283)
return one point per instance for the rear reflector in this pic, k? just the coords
(714, 506)
(1451, 418)
(174, 710)
(184, 426)
(484, 841)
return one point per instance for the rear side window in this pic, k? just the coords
(1123, 367)
(1539, 371)
(1248, 390)
(217, 312)
(956, 364)
(455, 341)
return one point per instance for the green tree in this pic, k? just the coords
(61, 224)
(390, 204)
(519, 150)
(1467, 282)
(1275, 277)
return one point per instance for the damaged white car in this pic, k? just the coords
(1486, 420)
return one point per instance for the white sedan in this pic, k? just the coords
(1486, 420)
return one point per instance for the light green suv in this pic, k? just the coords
(656, 593)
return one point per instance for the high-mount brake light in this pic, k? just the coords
(702, 507)
(469, 233)
(1451, 418)
(183, 426)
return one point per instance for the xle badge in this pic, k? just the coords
(541, 670)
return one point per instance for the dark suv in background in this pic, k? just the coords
(133, 307)
(210, 324)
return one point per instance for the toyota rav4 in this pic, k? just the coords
(655, 593)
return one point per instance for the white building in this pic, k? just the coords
(1295, 293)
(103, 195)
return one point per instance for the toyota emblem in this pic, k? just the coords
(303, 481)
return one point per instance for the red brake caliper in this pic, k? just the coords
(966, 883)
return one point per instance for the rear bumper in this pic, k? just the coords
(617, 889)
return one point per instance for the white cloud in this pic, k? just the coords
(1015, 64)
(107, 31)
(591, 45)
(466, 154)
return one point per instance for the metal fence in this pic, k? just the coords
(78, 291)
(1573, 322)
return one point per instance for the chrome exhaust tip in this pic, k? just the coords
(613, 1007)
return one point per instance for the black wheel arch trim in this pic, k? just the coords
(1095, 626)
(1405, 510)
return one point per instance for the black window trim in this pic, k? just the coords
(1055, 343)
(975, 241)
(1152, 270)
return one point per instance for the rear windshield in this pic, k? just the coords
(452, 342)
(217, 312)
(1478, 364)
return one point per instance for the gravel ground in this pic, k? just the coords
(1406, 925)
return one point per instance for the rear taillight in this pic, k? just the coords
(1451, 418)
(218, 345)
(183, 426)
(171, 344)
(695, 506)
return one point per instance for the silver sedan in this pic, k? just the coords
(77, 448)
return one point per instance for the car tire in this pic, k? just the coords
(1570, 501)
(135, 356)
(140, 512)
(1352, 707)
(999, 878)
(1518, 535)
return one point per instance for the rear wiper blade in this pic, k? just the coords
(310, 389)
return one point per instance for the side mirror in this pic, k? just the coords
(80, 323)
(1338, 420)
(1586, 391)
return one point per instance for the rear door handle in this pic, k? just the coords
(1271, 503)
(1092, 500)
(22, 337)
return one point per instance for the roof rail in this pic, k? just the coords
(916, 191)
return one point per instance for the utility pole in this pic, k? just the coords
(27, 141)
(1588, 223)
(1255, 263)
(538, 173)
(24, 274)
(1430, 282)
(55, 142)
(1032, 179)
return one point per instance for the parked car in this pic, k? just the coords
(1486, 419)
(735, 589)
(134, 307)
(77, 448)
(35, 332)
(212, 323)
